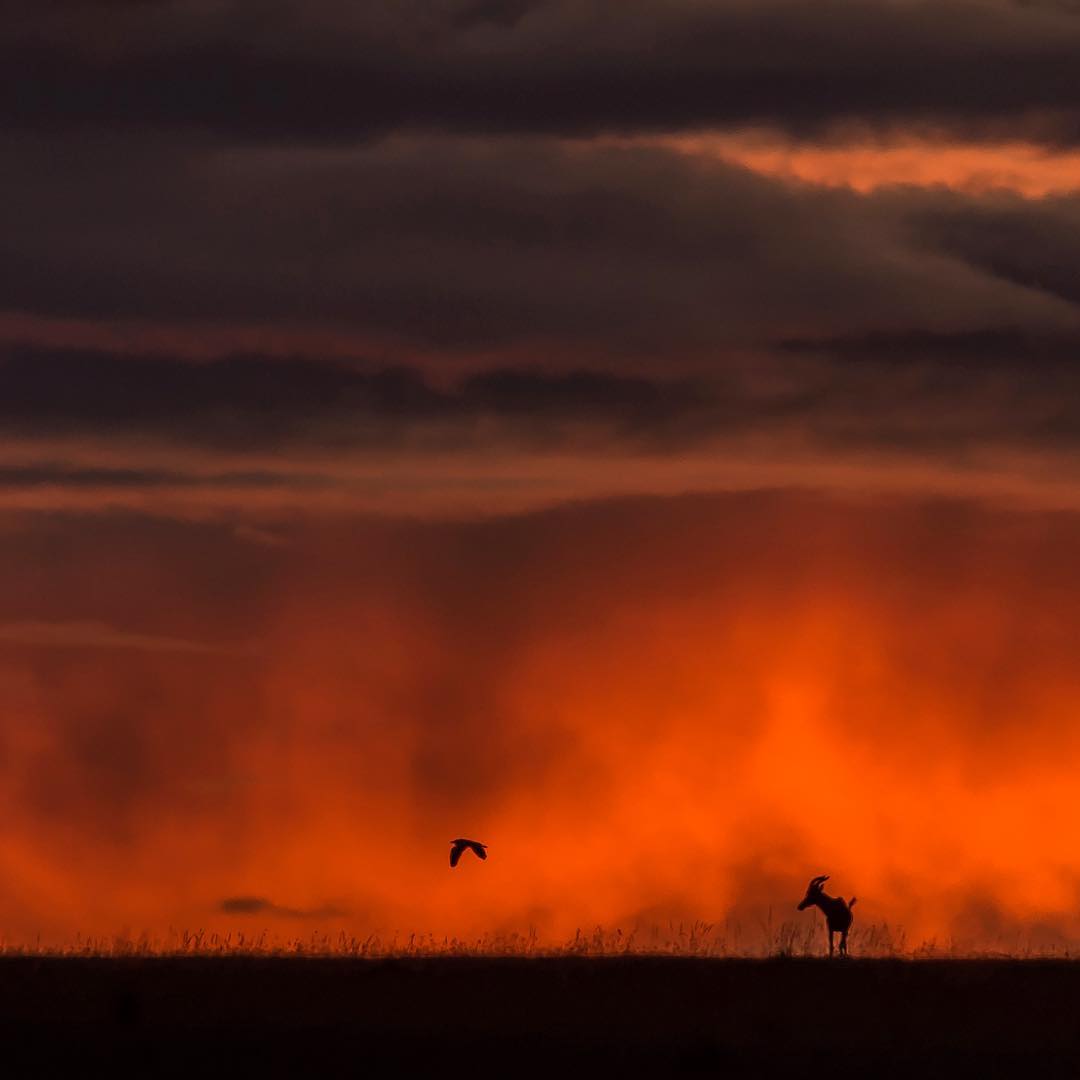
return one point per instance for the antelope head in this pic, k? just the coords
(813, 892)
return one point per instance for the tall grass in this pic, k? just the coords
(729, 939)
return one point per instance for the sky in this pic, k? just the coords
(642, 436)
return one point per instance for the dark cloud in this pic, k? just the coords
(462, 245)
(245, 905)
(982, 349)
(923, 393)
(947, 392)
(332, 70)
(592, 297)
(258, 403)
(72, 476)
(238, 401)
(257, 905)
(1033, 244)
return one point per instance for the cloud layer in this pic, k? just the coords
(330, 70)
(643, 432)
(676, 708)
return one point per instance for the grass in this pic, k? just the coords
(766, 939)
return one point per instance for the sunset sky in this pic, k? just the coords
(642, 435)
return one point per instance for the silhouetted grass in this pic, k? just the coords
(761, 940)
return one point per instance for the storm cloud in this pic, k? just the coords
(546, 421)
(467, 246)
(132, 429)
(332, 71)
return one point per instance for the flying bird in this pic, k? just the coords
(460, 845)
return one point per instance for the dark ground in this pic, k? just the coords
(513, 1017)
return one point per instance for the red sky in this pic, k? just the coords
(641, 436)
(756, 688)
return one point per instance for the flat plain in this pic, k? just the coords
(633, 1015)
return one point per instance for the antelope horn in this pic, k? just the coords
(820, 880)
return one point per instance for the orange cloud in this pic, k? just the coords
(651, 710)
(1028, 169)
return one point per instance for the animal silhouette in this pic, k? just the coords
(836, 909)
(459, 846)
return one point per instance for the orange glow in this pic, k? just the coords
(654, 710)
(1024, 168)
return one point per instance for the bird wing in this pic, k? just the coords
(480, 849)
(455, 854)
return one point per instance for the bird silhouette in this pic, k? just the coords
(460, 845)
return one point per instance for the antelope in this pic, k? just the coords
(836, 909)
